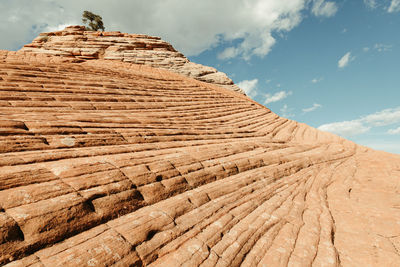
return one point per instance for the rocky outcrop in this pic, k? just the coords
(74, 41)
(105, 163)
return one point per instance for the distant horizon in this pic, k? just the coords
(330, 64)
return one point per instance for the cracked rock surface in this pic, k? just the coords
(107, 163)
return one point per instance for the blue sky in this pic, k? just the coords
(334, 65)
(304, 63)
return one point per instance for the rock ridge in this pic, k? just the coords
(104, 163)
(75, 41)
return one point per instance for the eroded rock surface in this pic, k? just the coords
(106, 163)
(74, 41)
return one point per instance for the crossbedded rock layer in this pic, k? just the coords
(74, 41)
(106, 163)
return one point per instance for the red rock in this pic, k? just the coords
(104, 162)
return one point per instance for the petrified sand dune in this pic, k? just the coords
(106, 163)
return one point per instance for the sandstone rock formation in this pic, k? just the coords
(74, 41)
(106, 163)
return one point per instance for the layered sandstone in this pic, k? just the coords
(74, 41)
(107, 163)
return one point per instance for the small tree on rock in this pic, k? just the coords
(94, 21)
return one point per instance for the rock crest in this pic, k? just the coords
(74, 41)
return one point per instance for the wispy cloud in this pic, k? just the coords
(228, 53)
(316, 80)
(276, 97)
(365, 123)
(394, 131)
(379, 47)
(249, 87)
(286, 111)
(383, 47)
(371, 4)
(314, 107)
(383, 118)
(345, 60)
(394, 6)
(322, 8)
(345, 128)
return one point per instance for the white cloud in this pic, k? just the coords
(249, 87)
(286, 111)
(276, 97)
(364, 124)
(314, 107)
(394, 6)
(371, 3)
(229, 52)
(58, 27)
(394, 131)
(383, 47)
(192, 26)
(323, 8)
(316, 80)
(345, 60)
(383, 118)
(345, 128)
(379, 47)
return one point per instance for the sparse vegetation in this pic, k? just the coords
(95, 22)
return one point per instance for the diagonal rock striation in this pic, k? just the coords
(108, 163)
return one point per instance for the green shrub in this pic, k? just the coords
(95, 22)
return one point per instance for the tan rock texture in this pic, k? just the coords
(74, 41)
(107, 163)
